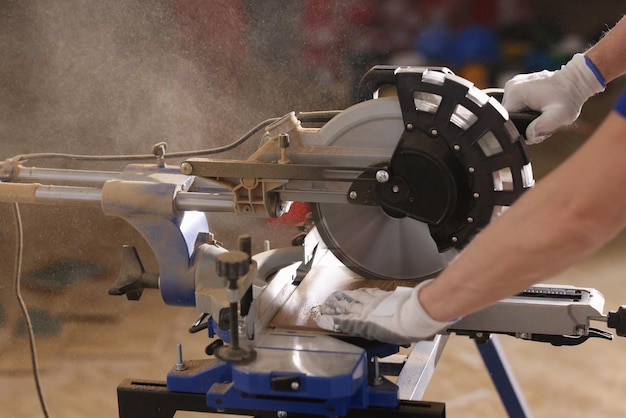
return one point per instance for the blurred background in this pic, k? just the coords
(116, 77)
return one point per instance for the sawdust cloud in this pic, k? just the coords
(118, 76)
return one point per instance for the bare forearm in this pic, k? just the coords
(568, 215)
(608, 54)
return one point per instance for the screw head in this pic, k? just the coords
(186, 168)
(456, 147)
(382, 176)
(353, 195)
(434, 132)
(471, 169)
(410, 126)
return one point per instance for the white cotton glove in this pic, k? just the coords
(394, 317)
(558, 95)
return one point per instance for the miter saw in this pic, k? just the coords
(398, 184)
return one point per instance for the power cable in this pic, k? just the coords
(24, 309)
(140, 157)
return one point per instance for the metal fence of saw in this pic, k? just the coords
(459, 163)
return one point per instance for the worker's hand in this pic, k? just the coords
(394, 317)
(558, 95)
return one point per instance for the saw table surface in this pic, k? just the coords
(302, 307)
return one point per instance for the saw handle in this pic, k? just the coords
(521, 120)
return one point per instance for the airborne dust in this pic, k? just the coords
(118, 76)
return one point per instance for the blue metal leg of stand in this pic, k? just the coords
(503, 378)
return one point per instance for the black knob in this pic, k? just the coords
(617, 321)
(232, 265)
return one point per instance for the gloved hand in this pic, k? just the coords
(394, 317)
(558, 95)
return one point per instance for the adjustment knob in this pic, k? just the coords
(617, 321)
(232, 265)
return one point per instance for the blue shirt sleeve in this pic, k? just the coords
(620, 105)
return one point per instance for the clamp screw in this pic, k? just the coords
(232, 265)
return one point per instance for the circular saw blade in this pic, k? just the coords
(378, 246)
(365, 238)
